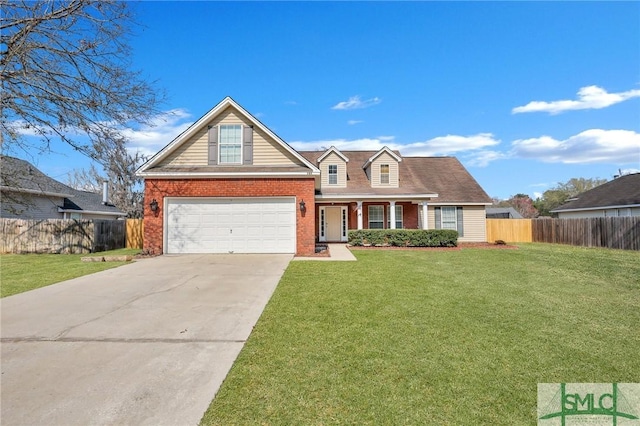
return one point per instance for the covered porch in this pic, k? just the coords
(334, 218)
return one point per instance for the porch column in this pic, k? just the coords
(359, 214)
(425, 206)
(392, 215)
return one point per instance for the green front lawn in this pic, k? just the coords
(23, 272)
(436, 337)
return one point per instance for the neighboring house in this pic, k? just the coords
(619, 197)
(503, 213)
(27, 193)
(229, 184)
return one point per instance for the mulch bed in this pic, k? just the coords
(459, 247)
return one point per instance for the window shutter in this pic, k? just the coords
(459, 218)
(247, 145)
(438, 217)
(213, 145)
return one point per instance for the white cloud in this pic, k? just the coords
(163, 128)
(355, 102)
(482, 158)
(537, 195)
(443, 145)
(589, 97)
(590, 146)
(352, 122)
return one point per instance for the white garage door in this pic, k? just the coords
(231, 225)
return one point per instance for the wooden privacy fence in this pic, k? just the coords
(135, 231)
(611, 232)
(60, 235)
(509, 230)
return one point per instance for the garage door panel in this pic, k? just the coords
(210, 225)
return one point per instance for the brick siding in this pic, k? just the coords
(302, 189)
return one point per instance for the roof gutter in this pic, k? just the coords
(36, 192)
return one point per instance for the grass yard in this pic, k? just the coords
(435, 337)
(24, 272)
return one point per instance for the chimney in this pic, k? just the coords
(105, 192)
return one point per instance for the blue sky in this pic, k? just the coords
(525, 94)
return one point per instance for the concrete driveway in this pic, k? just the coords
(146, 343)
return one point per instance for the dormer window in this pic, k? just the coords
(230, 145)
(333, 174)
(384, 174)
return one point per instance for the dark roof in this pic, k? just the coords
(503, 212)
(623, 191)
(22, 176)
(444, 176)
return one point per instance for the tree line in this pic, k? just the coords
(550, 199)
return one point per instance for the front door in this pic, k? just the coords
(334, 223)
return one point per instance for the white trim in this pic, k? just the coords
(329, 151)
(344, 218)
(35, 191)
(365, 197)
(459, 203)
(623, 206)
(359, 208)
(374, 156)
(61, 210)
(219, 129)
(204, 120)
(203, 175)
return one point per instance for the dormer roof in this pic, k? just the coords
(334, 150)
(377, 154)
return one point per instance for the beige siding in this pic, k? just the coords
(384, 158)
(473, 221)
(624, 211)
(579, 215)
(332, 159)
(195, 151)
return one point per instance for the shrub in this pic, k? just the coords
(404, 237)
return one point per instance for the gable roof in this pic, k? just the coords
(336, 151)
(443, 179)
(202, 121)
(621, 192)
(21, 176)
(384, 149)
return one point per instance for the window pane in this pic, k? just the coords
(449, 218)
(398, 217)
(384, 173)
(230, 145)
(376, 217)
(333, 174)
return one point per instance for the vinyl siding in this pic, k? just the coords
(474, 222)
(634, 211)
(332, 159)
(194, 152)
(24, 206)
(374, 171)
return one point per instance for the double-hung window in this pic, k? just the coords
(449, 218)
(384, 174)
(376, 217)
(333, 174)
(398, 216)
(230, 145)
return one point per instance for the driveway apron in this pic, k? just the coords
(146, 343)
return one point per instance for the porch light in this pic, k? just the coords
(303, 206)
(153, 205)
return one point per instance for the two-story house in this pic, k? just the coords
(228, 184)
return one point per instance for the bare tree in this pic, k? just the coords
(66, 75)
(125, 188)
